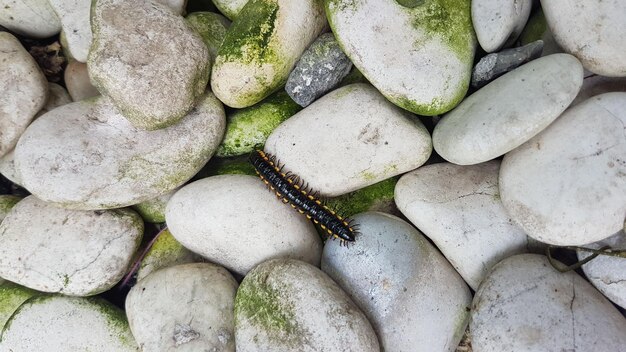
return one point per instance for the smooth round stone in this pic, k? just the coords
(24, 91)
(57, 96)
(79, 253)
(230, 8)
(262, 46)
(289, 305)
(497, 118)
(410, 293)
(157, 82)
(418, 54)
(77, 81)
(498, 23)
(608, 274)
(30, 18)
(349, 139)
(58, 323)
(592, 31)
(235, 221)
(566, 186)
(85, 155)
(212, 28)
(12, 296)
(459, 209)
(75, 24)
(248, 129)
(187, 307)
(165, 252)
(524, 304)
(7, 202)
(153, 210)
(595, 84)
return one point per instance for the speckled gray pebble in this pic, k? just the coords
(495, 65)
(320, 69)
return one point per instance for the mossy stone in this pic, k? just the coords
(212, 28)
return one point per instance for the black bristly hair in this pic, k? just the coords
(291, 189)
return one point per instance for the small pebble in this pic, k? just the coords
(186, 307)
(498, 23)
(78, 253)
(495, 65)
(524, 304)
(30, 18)
(412, 296)
(235, 221)
(60, 323)
(320, 69)
(289, 305)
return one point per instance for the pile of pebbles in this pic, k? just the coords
(465, 138)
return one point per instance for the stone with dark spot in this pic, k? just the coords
(188, 307)
(495, 65)
(320, 69)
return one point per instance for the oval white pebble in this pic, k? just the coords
(186, 307)
(508, 111)
(412, 296)
(58, 323)
(499, 22)
(85, 155)
(289, 305)
(606, 273)
(148, 60)
(349, 139)
(593, 31)
(526, 305)
(77, 81)
(459, 209)
(235, 221)
(31, 18)
(566, 186)
(419, 54)
(78, 253)
(24, 91)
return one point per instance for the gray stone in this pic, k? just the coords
(495, 65)
(320, 69)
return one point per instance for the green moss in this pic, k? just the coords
(535, 28)
(248, 39)
(249, 128)
(166, 251)
(265, 306)
(12, 296)
(355, 76)
(211, 27)
(227, 166)
(410, 3)
(7, 202)
(152, 211)
(115, 319)
(375, 197)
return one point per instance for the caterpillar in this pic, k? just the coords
(292, 190)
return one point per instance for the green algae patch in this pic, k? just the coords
(12, 296)
(7, 202)
(248, 128)
(153, 210)
(248, 39)
(238, 165)
(115, 319)
(211, 27)
(165, 252)
(451, 22)
(265, 306)
(535, 28)
(377, 197)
